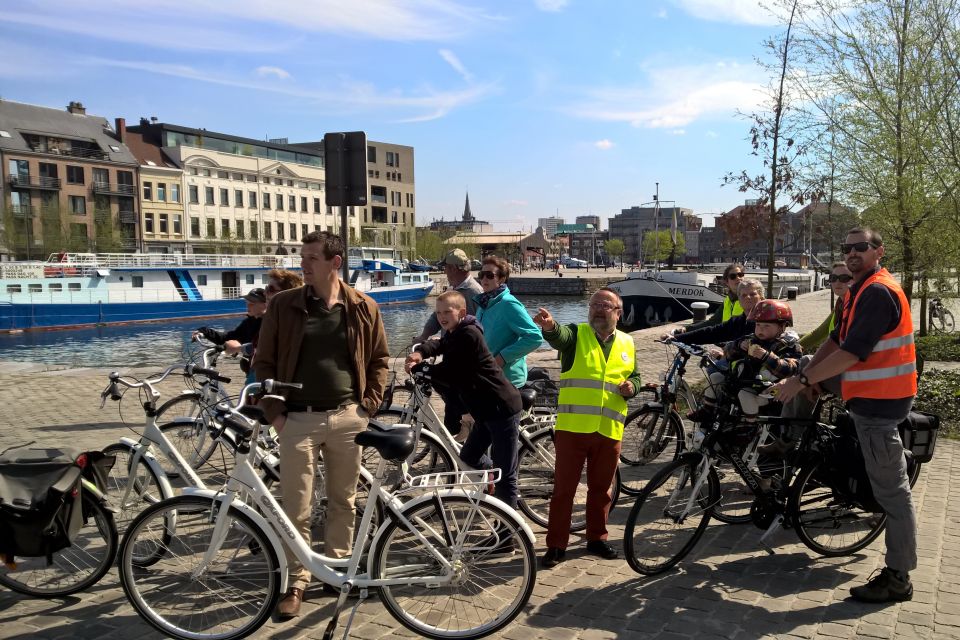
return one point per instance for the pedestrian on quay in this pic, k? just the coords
(733, 274)
(598, 373)
(470, 377)
(840, 279)
(456, 266)
(277, 280)
(872, 350)
(329, 338)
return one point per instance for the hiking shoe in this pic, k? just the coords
(552, 557)
(886, 586)
(602, 549)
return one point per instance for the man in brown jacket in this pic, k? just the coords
(330, 339)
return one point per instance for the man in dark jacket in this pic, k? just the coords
(246, 331)
(469, 372)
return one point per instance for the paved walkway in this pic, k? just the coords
(728, 588)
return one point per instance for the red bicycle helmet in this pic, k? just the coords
(772, 311)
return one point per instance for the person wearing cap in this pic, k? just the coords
(456, 266)
(244, 332)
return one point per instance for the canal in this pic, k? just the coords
(162, 344)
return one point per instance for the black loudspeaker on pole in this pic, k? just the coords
(346, 170)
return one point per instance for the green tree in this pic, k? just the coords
(614, 247)
(658, 245)
(429, 245)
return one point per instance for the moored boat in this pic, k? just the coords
(652, 298)
(83, 289)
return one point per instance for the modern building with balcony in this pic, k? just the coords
(69, 183)
(632, 224)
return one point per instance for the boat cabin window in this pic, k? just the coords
(202, 281)
(251, 278)
(55, 286)
(14, 288)
(35, 288)
(73, 286)
(137, 282)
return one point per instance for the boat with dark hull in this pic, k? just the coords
(651, 298)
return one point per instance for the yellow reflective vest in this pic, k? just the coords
(731, 308)
(590, 399)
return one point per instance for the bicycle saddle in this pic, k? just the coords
(394, 445)
(528, 396)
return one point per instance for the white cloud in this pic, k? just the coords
(673, 97)
(678, 132)
(552, 6)
(711, 134)
(750, 12)
(452, 59)
(277, 72)
(604, 144)
(662, 13)
(423, 104)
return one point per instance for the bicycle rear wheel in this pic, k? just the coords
(828, 522)
(948, 324)
(669, 516)
(191, 438)
(641, 452)
(145, 487)
(535, 477)
(494, 569)
(73, 568)
(230, 598)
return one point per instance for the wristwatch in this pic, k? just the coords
(803, 379)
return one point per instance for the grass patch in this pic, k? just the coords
(939, 347)
(939, 393)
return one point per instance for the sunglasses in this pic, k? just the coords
(840, 277)
(487, 274)
(859, 247)
(735, 276)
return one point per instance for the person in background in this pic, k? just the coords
(750, 292)
(244, 332)
(598, 373)
(277, 280)
(456, 266)
(733, 274)
(840, 279)
(330, 338)
(507, 327)
(470, 375)
(872, 350)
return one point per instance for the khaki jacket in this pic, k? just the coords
(282, 332)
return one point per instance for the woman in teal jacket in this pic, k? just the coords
(507, 327)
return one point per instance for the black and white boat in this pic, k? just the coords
(651, 298)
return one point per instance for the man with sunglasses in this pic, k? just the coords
(456, 266)
(873, 354)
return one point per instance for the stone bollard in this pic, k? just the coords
(699, 311)
(791, 293)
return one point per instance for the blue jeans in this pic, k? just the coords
(502, 437)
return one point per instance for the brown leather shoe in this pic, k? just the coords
(289, 606)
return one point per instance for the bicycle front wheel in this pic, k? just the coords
(827, 521)
(651, 437)
(948, 324)
(670, 516)
(493, 572)
(73, 568)
(230, 597)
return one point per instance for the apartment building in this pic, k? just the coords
(69, 183)
(631, 224)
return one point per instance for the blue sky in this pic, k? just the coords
(538, 107)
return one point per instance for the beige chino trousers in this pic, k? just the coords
(304, 436)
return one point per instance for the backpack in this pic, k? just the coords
(40, 502)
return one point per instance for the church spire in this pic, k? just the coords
(467, 216)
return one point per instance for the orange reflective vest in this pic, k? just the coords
(890, 371)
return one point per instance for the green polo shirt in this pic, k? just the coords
(324, 364)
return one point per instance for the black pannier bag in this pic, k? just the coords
(40, 502)
(847, 469)
(548, 391)
(919, 434)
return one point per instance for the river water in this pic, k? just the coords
(162, 344)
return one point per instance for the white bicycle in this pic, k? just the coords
(451, 562)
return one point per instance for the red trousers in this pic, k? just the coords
(601, 455)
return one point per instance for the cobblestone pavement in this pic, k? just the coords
(728, 588)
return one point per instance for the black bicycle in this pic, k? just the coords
(941, 320)
(820, 491)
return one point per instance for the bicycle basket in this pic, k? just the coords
(919, 434)
(39, 500)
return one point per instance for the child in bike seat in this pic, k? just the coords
(770, 354)
(471, 377)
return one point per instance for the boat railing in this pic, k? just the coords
(167, 260)
(94, 296)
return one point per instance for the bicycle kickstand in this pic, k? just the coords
(341, 601)
(774, 527)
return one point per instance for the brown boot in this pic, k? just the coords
(289, 606)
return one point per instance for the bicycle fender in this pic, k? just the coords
(166, 489)
(256, 517)
(428, 497)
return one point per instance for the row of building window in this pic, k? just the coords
(75, 174)
(161, 193)
(250, 177)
